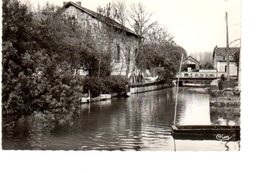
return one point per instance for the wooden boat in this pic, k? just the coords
(85, 99)
(105, 96)
(202, 132)
(206, 132)
(128, 94)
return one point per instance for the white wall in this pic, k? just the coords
(221, 68)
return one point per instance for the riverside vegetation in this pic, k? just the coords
(41, 57)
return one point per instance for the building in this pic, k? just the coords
(220, 60)
(190, 64)
(109, 35)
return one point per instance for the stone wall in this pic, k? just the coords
(108, 40)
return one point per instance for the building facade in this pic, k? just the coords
(108, 35)
(190, 64)
(220, 60)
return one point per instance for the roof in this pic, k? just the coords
(191, 59)
(221, 51)
(103, 19)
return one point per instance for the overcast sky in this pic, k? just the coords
(197, 25)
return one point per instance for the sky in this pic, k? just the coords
(197, 25)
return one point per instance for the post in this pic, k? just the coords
(239, 71)
(177, 90)
(99, 64)
(227, 49)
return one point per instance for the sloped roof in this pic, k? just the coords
(191, 59)
(221, 51)
(103, 19)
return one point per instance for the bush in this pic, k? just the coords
(95, 85)
(36, 80)
(110, 84)
(116, 84)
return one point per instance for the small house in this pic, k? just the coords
(220, 60)
(190, 64)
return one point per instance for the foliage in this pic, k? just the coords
(116, 84)
(42, 53)
(165, 56)
(95, 85)
(36, 78)
(109, 84)
(206, 66)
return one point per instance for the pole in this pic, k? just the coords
(227, 49)
(239, 71)
(177, 90)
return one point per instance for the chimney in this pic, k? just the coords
(64, 3)
(79, 3)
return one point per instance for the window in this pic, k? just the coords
(72, 19)
(117, 53)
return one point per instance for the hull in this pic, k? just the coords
(206, 132)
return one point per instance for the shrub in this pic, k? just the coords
(116, 84)
(110, 84)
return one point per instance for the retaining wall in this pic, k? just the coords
(148, 87)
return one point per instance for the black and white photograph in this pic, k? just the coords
(121, 75)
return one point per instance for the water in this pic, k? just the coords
(140, 122)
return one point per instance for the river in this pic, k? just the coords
(140, 122)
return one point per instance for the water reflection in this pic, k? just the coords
(193, 107)
(140, 122)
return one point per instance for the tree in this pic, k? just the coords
(164, 57)
(117, 10)
(140, 19)
(158, 34)
(206, 66)
(237, 61)
(36, 78)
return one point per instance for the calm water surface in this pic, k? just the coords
(140, 122)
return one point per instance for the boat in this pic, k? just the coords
(202, 132)
(206, 132)
(105, 96)
(128, 94)
(85, 99)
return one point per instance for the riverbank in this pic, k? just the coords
(140, 122)
(140, 88)
(133, 89)
(225, 101)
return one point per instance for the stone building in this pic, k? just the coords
(220, 60)
(108, 35)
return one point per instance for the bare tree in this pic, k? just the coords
(140, 19)
(159, 34)
(117, 10)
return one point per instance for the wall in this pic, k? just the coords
(221, 68)
(146, 88)
(107, 40)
